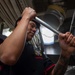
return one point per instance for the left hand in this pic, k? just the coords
(67, 43)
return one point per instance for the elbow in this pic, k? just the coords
(8, 60)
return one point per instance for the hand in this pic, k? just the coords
(29, 13)
(67, 43)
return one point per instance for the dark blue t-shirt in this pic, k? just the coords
(31, 64)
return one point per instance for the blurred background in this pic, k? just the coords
(59, 14)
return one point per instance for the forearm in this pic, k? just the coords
(61, 65)
(12, 47)
(67, 45)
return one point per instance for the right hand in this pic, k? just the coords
(29, 13)
(67, 43)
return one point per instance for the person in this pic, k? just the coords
(18, 56)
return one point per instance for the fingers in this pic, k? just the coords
(72, 42)
(29, 8)
(70, 39)
(28, 11)
(67, 34)
(64, 36)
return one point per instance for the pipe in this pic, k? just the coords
(46, 25)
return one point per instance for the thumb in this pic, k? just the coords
(61, 35)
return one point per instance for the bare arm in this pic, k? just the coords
(67, 43)
(61, 66)
(12, 47)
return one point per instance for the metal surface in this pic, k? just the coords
(72, 21)
(46, 25)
